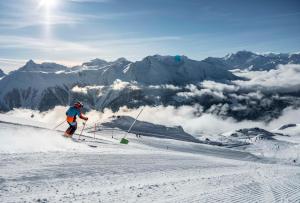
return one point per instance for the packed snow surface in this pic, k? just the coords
(38, 165)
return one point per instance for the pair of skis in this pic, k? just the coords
(82, 141)
(79, 140)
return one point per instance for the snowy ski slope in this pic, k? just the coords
(39, 165)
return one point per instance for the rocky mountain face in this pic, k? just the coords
(252, 61)
(42, 86)
(2, 74)
(250, 133)
(149, 129)
(157, 70)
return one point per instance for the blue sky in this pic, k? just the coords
(73, 31)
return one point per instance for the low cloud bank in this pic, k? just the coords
(190, 118)
(283, 79)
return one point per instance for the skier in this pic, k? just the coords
(71, 118)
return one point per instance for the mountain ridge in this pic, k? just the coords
(155, 80)
(2, 74)
(255, 61)
(32, 84)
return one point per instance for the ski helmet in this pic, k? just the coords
(78, 104)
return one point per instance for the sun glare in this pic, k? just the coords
(48, 4)
(48, 9)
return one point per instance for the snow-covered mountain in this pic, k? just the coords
(95, 63)
(2, 74)
(42, 86)
(289, 129)
(31, 66)
(253, 61)
(157, 70)
(150, 129)
(158, 80)
(250, 134)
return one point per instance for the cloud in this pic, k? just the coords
(19, 21)
(23, 15)
(204, 124)
(91, 1)
(221, 87)
(289, 115)
(186, 116)
(75, 52)
(10, 41)
(120, 85)
(8, 65)
(194, 91)
(283, 79)
(166, 86)
(262, 97)
(86, 89)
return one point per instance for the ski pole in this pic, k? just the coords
(59, 125)
(82, 129)
(134, 122)
(95, 131)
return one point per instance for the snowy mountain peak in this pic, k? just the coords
(31, 66)
(166, 60)
(276, 55)
(255, 61)
(240, 56)
(30, 63)
(245, 53)
(96, 62)
(177, 70)
(121, 60)
(2, 74)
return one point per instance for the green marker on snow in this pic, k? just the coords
(124, 141)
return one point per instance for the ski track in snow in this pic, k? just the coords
(72, 177)
(143, 171)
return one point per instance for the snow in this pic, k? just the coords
(293, 134)
(256, 61)
(28, 140)
(38, 165)
(127, 67)
(149, 129)
(2, 74)
(291, 129)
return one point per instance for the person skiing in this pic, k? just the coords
(71, 114)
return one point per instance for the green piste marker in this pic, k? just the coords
(124, 141)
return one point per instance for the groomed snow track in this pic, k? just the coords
(143, 171)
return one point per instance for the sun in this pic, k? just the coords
(47, 4)
(47, 10)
